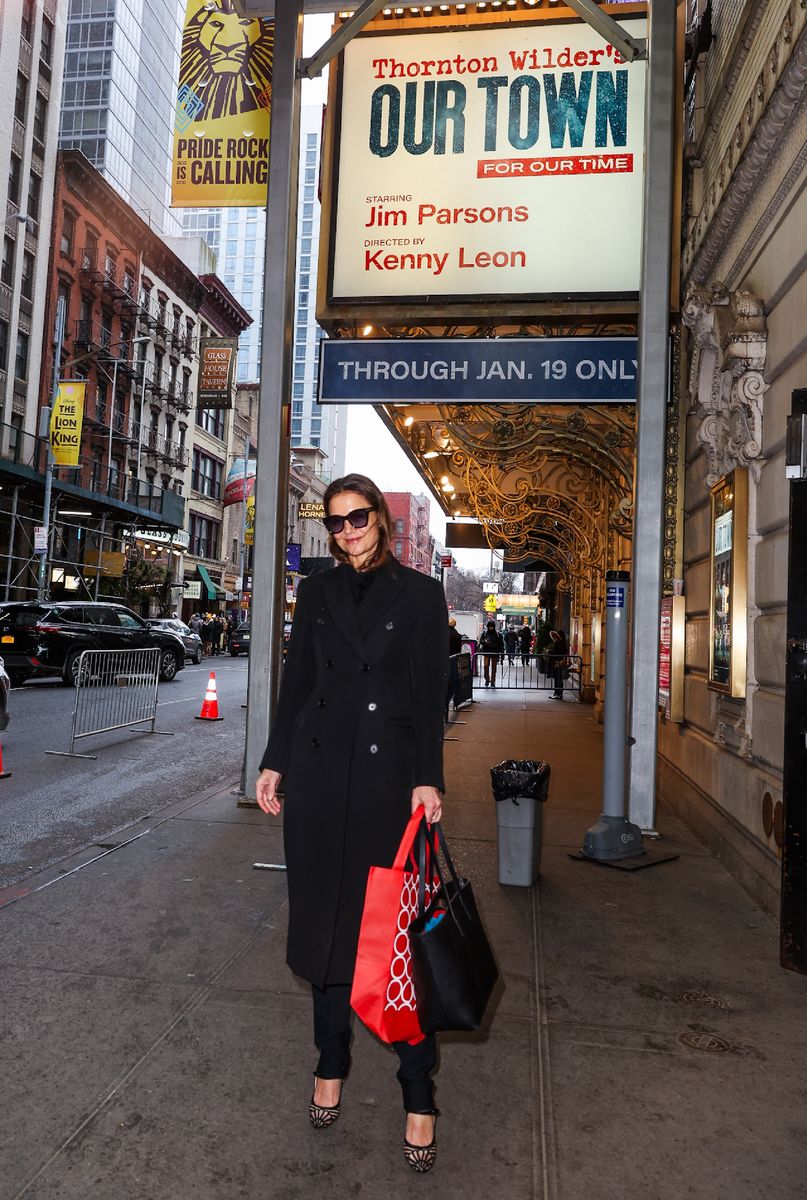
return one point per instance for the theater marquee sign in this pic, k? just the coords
(494, 163)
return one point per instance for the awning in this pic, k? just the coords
(212, 590)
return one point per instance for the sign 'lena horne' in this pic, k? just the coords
(497, 161)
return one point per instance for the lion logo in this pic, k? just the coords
(226, 62)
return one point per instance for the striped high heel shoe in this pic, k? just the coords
(422, 1158)
(322, 1115)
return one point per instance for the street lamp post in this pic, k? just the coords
(58, 338)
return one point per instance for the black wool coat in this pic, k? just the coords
(359, 723)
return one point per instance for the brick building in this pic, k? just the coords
(134, 313)
(410, 530)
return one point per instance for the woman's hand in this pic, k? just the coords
(431, 800)
(266, 791)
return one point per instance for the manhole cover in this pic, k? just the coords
(704, 999)
(709, 1042)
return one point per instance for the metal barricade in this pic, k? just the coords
(530, 672)
(115, 689)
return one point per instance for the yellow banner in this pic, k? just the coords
(65, 422)
(224, 100)
(249, 530)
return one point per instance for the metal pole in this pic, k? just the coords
(243, 546)
(613, 837)
(100, 553)
(654, 353)
(272, 478)
(58, 338)
(11, 539)
(111, 424)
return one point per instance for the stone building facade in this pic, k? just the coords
(744, 349)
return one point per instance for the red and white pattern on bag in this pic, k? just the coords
(401, 989)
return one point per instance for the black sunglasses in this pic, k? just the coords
(358, 519)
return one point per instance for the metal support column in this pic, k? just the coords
(99, 559)
(272, 478)
(12, 537)
(654, 351)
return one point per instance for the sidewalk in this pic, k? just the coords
(644, 1042)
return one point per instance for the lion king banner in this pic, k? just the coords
(224, 100)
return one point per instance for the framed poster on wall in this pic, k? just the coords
(728, 584)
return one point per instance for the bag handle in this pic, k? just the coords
(432, 838)
(408, 839)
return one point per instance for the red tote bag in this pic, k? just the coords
(383, 995)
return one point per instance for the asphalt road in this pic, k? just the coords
(52, 807)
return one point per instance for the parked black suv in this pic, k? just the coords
(46, 638)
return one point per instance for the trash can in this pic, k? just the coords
(520, 787)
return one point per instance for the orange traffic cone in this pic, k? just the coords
(3, 774)
(210, 704)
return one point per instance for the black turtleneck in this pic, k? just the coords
(362, 581)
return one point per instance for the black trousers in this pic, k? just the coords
(332, 1039)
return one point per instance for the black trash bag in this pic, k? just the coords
(517, 777)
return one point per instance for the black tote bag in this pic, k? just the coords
(453, 968)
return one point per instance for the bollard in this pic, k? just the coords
(614, 837)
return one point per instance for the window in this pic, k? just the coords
(46, 41)
(27, 23)
(34, 190)
(15, 437)
(399, 525)
(21, 97)
(90, 257)
(14, 172)
(7, 273)
(68, 234)
(204, 536)
(64, 294)
(27, 281)
(234, 554)
(212, 421)
(21, 360)
(40, 117)
(3, 345)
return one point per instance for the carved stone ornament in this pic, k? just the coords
(726, 378)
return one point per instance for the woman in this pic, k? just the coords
(358, 739)
(559, 648)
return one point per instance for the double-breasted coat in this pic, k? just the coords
(359, 723)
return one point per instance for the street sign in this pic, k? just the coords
(446, 561)
(573, 370)
(491, 588)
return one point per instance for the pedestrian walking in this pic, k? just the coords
(510, 643)
(525, 642)
(217, 631)
(195, 624)
(358, 740)
(454, 637)
(207, 634)
(558, 660)
(491, 645)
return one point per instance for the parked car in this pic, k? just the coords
(41, 639)
(191, 641)
(5, 688)
(239, 640)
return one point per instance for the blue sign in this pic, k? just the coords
(478, 371)
(293, 552)
(614, 595)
